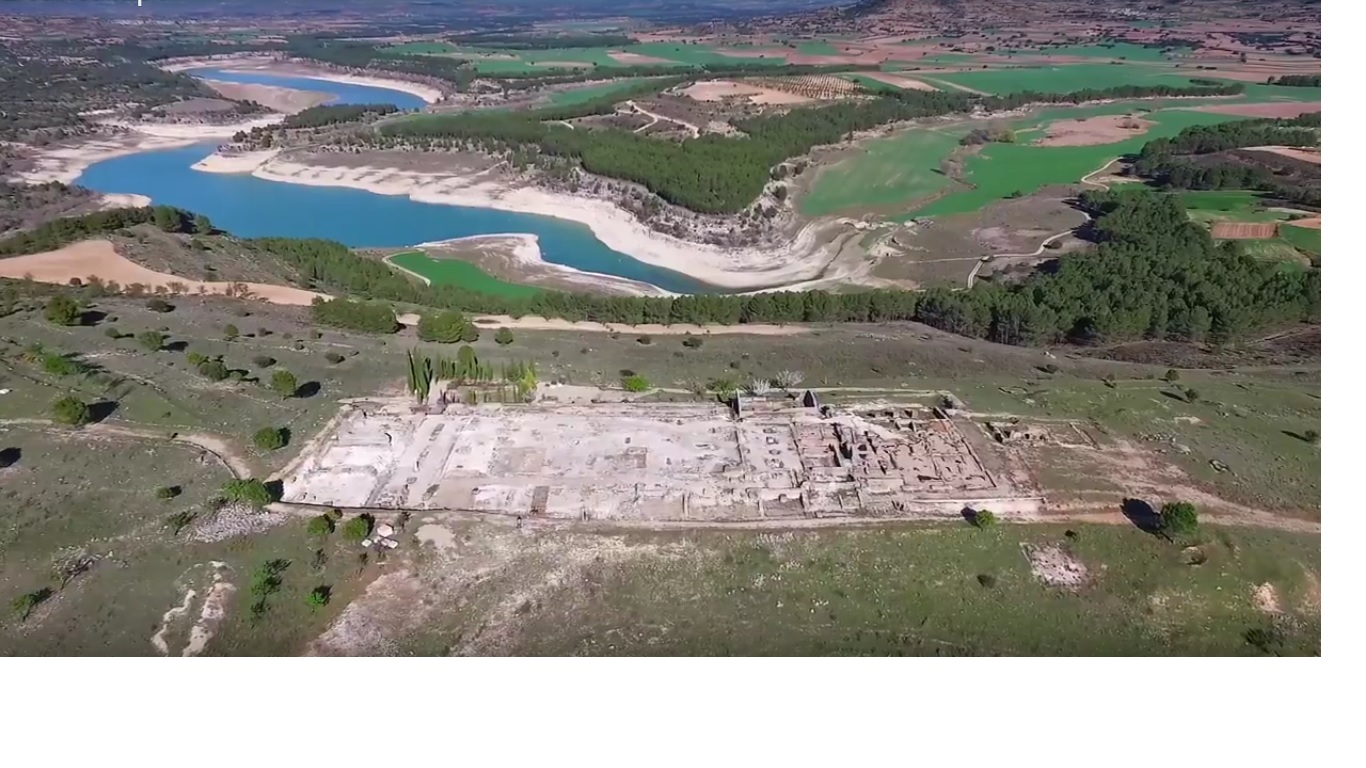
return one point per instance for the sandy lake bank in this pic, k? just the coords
(804, 257)
(66, 162)
(517, 257)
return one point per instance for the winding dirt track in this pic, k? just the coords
(1085, 180)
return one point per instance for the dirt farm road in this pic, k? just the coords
(1085, 180)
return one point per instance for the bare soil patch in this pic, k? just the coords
(1103, 129)
(1242, 230)
(532, 323)
(1307, 154)
(625, 57)
(721, 90)
(1055, 566)
(97, 258)
(1315, 222)
(1265, 598)
(1272, 109)
(898, 81)
(287, 100)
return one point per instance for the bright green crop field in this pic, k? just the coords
(897, 169)
(461, 273)
(1000, 170)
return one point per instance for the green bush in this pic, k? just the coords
(635, 383)
(230, 332)
(320, 526)
(250, 491)
(355, 315)
(195, 359)
(320, 596)
(1179, 518)
(358, 528)
(158, 305)
(62, 310)
(503, 337)
(334, 357)
(983, 518)
(25, 604)
(692, 342)
(443, 327)
(284, 383)
(70, 411)
(168, 492)
(263, 361)
(270, 438)
(213, 370)
(152, 341)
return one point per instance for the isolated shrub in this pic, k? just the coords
(284, 383)
(358, 528)
(320, 596)
(263, 361)
(692, 342)
(113, 333)
(179, 521)
(1192, 395)
(1051, 368)
(270, 438)
(213, 370)
(1179, 518)
(70, 411)
(983, 518)
(635, 383)
(159, 305)
(249, 491)
(168, 492)
(195, 359)
(320, 526)
(986, 580)
(1311, 436)
(152, 341)
(334, 357)
(62, 310)
(503, 337)
(442, 327)
(1171, 375)
(644, 339)
(230, 332)
(25, 604)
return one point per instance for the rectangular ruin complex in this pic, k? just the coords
(762, 459)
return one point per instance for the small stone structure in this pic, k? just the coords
(762, 458)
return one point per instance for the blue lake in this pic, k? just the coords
(252, 207)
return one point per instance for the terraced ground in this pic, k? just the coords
(1062, 78)
(496, 61)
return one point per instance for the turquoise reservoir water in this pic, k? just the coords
(252, 207)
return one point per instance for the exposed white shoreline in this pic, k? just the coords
(526, 251)
(801, 259)
(268, 66)
(66, 163)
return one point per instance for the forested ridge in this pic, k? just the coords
(1175, 162)
(714, 174)
(1154, 274)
